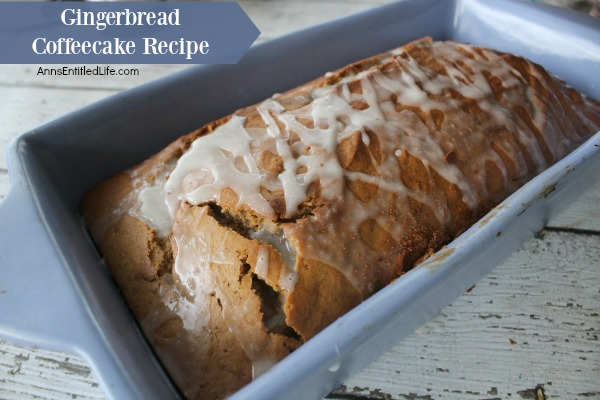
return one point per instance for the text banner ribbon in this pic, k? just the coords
(124, 33)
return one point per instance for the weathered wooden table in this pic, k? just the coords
(529, 329)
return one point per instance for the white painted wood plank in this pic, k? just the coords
(533, 321)
(36, 373)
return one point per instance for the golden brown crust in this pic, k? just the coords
(137, 260)
(324, 286)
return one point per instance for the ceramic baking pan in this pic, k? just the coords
(56, 293)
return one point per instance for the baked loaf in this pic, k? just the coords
(245, 238)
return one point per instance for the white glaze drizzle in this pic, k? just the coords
(289, 274)
(145, 201)
(230, 156)
(262, 263)
(214, 162)
(153, 209)
(334, 120)
(192, 272)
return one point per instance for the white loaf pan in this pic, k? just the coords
(58, 294)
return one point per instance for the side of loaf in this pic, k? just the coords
(245, 238)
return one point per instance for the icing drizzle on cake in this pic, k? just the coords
(392, 111)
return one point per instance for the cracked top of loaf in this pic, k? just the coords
(243, 239)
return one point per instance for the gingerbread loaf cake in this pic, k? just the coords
(243, 239)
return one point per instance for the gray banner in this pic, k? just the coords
(124, 33)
